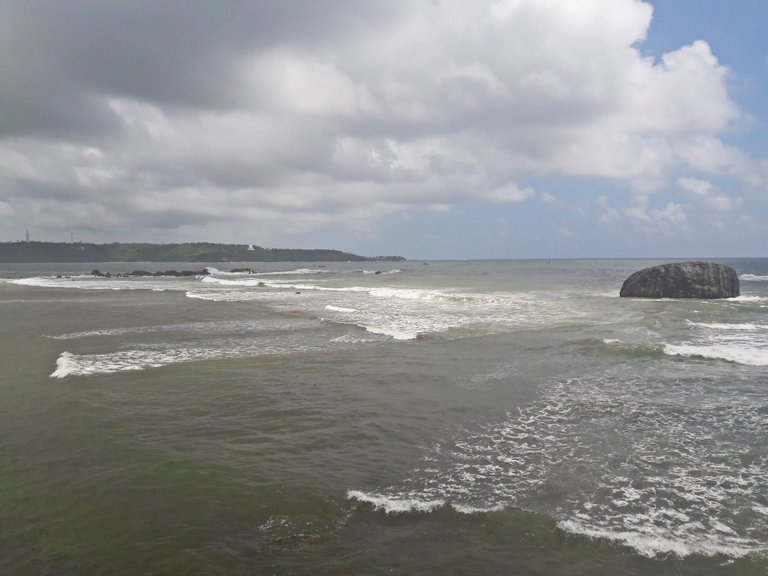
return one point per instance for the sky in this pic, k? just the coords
(442, 129)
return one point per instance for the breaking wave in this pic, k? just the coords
(737, 353)
(664, 471)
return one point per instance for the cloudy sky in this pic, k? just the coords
(431, 129)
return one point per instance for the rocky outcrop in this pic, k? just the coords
(98, 273)
(683, 280)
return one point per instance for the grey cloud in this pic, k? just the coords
(171, 113)
(58, 56)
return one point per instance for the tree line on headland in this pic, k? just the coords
(186, 252)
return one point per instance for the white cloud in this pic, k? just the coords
(707, 194)
(301, 83)
(637, 213)
(510, 193)
(670, 217)
(709, 155)
(434, 105)
(552, 200)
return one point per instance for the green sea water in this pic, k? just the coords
(506, 417)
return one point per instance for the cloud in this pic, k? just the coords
(669, 219)
(505, 194)
(706, 194)
(553, 201)
(168, 115)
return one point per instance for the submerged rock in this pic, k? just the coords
(683, 280)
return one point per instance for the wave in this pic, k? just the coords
(375, 291)
(391, 292)
(296, 272)
(288, 336)
(293, 272)
(665, 471)
(748, 298)
(229, 295)
(394, 505)
(399, 313)
(747, 326)
(333, 308)
(384, 323)
(88, 282)
(658, 542)
(753, 278)
(69, 364)
(207, 328)
(739, 354)
(744, 343)
(381, 292)
(639, 347)
(246, 282)
(381, 272)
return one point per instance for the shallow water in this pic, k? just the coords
(456, 417)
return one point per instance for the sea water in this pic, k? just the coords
(505, 417)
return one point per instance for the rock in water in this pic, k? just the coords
(683, 280)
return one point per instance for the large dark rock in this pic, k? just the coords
(683, 280)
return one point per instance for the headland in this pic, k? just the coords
(186, 252)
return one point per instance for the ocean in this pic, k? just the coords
(419, 418)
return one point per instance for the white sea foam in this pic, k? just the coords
(208, 328)
(69, 364)
(739, 354)
(753, 278)
(636, 462)
(232, 282)
(464, 509)
(404, 504)
(395, 322)
(381, 273)
(215, 272)
(353, 337)
(66, 364)
(103, 332)
(47, 281)
(392, 505)
(87, 282)
(333, 308)
(228, 295)
(654, 541)
(760, 509)
(296, 272)
(384, 292)
(749, 326)
(748, 298)
(268, 342)
(400, 313)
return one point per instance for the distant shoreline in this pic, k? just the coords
(71, 252)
